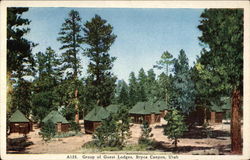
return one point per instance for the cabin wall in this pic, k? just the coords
(216, 117)
(148, 118)
(136, 118)
(90, 126)
(157, 118)
(20, 127)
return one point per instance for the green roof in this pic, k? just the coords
(97, 114)
(144, 108)
(113, 108)
(161, 105)
(18, 116)
(153, 108)
(55, 117)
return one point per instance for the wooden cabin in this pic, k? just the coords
(197, 116)
(144, 111)
(61, 124)
(155, 112)
(94, 118)
(18, 123)
(217, 111)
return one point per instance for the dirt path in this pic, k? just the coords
(186, 145)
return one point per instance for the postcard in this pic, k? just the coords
(128, 80)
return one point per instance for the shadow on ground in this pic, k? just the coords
(167, 147)
(199, 133)
(18, 145)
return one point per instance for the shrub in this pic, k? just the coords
(67, 134)
(146, 134)
(48, 130)
(106, 135)
(207, 130)
(175, 127)
(114, 130)
(75, 127)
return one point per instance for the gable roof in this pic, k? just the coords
(144, 108)
(113, 108)
(18, 116)
(55, 117)
(153, 108)
(161, 105)
(97, 114)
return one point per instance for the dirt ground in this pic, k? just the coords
(219, 143)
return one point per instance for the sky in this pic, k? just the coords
(143, 34)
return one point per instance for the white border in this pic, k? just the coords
(127, 4)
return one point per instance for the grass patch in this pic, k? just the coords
(67, 134)
(136, 147)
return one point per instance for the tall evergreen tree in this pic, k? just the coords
(99, 37)
(45, 97)
(133, 89)
(222, 61)
(123, 97)
(165, 62)
(142, 79)
(152, 87)
(19, 60)
(71, 39)
(182, 97)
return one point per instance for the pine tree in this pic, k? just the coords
(19, 60)
(45, 97)
(142, 78)
(182, 97)
(164, 84)
(99, 37)
(123, 95)
(164, 64)
(175, 127)
(152, 87)
(165, 61)
(133, 89)
(221, 61)
(70, 37)
(146, 134)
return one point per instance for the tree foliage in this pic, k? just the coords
(165, 61)
(45, 97)
(146, 134)
(19, 60)
(182, 97)
(114, 130)
(175, 127)
(48, 131)
(71, 39)
(99, 37)
(221, 60)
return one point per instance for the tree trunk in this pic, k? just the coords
(205, 115)
(76, 108)
(175, 143)
(236, 141)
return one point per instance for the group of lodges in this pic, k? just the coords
(19, 123)
(142, 111)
